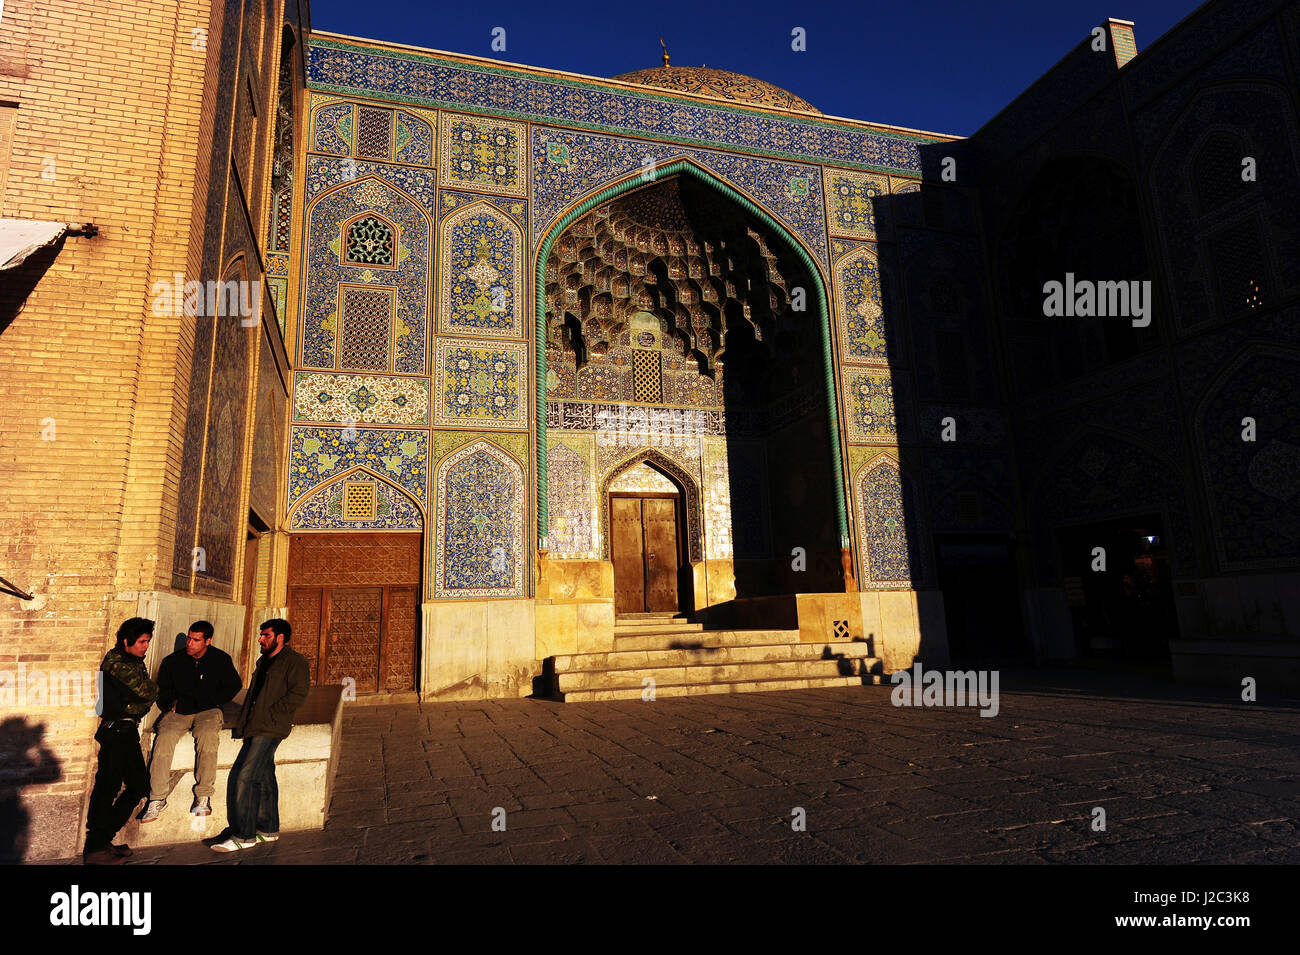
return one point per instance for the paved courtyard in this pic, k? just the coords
(1184, 774)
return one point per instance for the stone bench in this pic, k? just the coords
(304, 771)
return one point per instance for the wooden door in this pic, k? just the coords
(354, 605)
(626, 543)
(643, 547)
(659, 518)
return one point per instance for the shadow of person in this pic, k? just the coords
(24, 761)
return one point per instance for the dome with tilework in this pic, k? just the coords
(719, 84)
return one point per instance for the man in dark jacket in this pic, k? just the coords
(279, 687)
(126, 696)
(193, 685)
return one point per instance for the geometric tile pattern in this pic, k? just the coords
(480, 273)
(323, 508)
(1254, 486)
(850, 209)
(445, 442)
(425, 79)
(364, 399)
(857, 296)
(368, 300)
(479, 542)
(484, 155)
(869, 404)
(325, 173)
(594, 161)
(320, 453)
(481, 383)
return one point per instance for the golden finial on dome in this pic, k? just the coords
(665, 46)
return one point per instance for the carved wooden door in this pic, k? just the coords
(353, 603)
(643, 547)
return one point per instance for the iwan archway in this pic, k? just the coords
(683, 328)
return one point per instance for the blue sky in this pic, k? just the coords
(942, 66)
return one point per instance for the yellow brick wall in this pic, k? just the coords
(115, 102)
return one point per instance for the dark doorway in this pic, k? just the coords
(1125, 611)
(645, 549)
(981, 598)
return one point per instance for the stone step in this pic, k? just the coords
(760, 653)
(699, 673)
(641, 627)
(698, 689)
(703, 638)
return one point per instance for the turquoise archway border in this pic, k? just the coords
(821, 302)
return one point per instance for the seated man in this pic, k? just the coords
(193, 684)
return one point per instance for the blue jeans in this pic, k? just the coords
(252, 796)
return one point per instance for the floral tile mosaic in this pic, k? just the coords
(423, 78)
(363, 399)
(481, 383)
(483, 154)
(479, 539)
(481, 273)
(318, 453)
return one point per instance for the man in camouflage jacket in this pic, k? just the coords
(126, 696)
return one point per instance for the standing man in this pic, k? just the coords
(126, 696)
(279, 687)
(193, 685)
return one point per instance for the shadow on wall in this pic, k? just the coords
(24, 761)
(20, 281)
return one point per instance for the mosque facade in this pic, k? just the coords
(466, 367)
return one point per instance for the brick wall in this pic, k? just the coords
(113, 126)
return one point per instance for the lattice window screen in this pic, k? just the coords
(358, 501)
(374, 133)
(365, 340)
(369, 242)
(647, 370)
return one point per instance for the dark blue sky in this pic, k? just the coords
(943, 66)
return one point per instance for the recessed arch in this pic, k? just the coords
(820, 301)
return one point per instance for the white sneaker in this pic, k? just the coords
(267, 836)
(202, 806)
(152, 810)
(232, 845)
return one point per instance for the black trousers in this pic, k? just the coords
(121, 767)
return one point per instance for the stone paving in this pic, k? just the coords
(1185, 774)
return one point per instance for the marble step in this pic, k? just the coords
(760, 653)
(703, 638)
(699, 689)
(649, 626)
(699, 673)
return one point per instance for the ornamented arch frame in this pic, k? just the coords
(675, 473)
(820, 299)
(350, 474)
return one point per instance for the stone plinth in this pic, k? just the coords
(304, 772)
